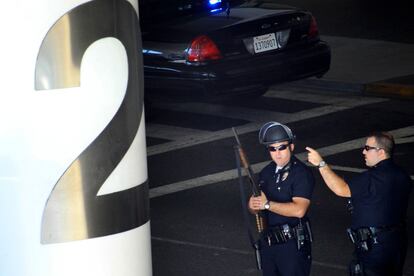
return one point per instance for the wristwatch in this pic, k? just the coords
(322, 164)
(267, 205)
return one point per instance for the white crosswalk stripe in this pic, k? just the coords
(233, 112)
(312, 97)
(184, 137)
(339, 104)
(172, 132)
(232, 174)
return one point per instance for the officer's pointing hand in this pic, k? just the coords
(313, 156)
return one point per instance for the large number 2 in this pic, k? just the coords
(73, 210)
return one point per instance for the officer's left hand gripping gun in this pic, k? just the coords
(242, 159)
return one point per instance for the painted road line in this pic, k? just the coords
(200, 245)
(254, 126)
(312, 96)
(172, 132)
(327, 86)
(232, 173)
(220, 177)
(233, 112)
(253, 115)
(404, 140)
(233, 250)
(240, 251)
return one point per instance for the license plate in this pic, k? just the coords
(272, 41)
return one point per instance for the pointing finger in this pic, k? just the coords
(309, 149)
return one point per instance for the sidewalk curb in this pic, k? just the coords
(390, 89)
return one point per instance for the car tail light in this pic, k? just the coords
(313, 29)
(202, 48)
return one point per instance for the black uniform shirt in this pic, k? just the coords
(295, 180)
(380, 196)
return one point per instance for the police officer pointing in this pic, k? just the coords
(379, 197)
(287, 186)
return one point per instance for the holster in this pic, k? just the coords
(363, 238)
(283, 233)
(356, 269)
(303, 233)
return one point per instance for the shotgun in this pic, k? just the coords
(249, 172)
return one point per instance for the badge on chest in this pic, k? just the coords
(280, 178)
(281, 175)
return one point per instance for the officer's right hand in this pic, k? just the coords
(313, 156)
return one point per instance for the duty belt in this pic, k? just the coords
(283, 233)
(363, 238)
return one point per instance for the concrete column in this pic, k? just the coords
(73, 168)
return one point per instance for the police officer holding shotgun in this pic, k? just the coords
(286, 189)
(379, 198)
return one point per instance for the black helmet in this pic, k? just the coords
(274, 132)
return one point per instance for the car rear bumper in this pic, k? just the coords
(235, 77)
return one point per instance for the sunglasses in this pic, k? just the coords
(279, 148)
(368, 148)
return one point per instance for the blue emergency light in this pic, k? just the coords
(214, 2)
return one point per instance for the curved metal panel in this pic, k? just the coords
(73, 210)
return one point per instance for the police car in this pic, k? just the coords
(224, 48)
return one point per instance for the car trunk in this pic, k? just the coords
(234, 31)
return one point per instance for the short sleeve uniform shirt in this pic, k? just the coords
(295, 181)
(380, 196)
